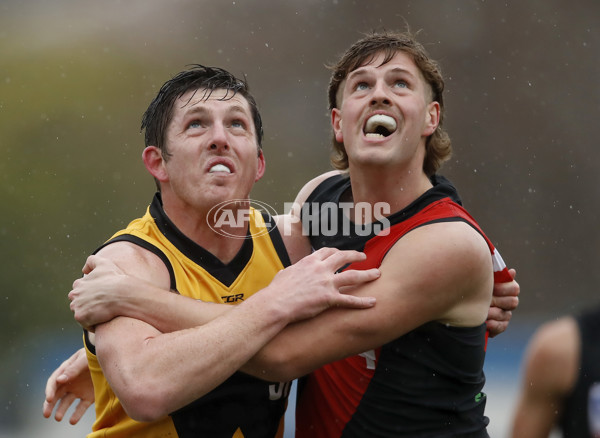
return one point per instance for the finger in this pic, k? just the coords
(82, 406)
(339, 259)
(71, 365)
(505, 303)
(47, 408)
(353, 302)
(63, 406)
(51, 384)
(56, 384)
(506, 289)
(508, 292)
(90, 264)
(499, 314)
(324, 253)
(51, 389)
(355, 277)
(54, 397)
(494, 328)
(73, 294)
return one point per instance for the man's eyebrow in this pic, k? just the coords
(238, 109)
(358, 72)
(196, 109)
(401, 70)
(200, 109)
(364, 70)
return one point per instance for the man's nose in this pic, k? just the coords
(218, 137)
(380, 94)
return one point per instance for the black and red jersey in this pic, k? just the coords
(428, 382)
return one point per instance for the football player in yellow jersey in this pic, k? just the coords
(203, 137)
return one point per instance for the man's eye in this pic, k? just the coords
(194, 124)
(361, 86)
(401, 84)
(238, 124)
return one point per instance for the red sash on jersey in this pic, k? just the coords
(333, 392)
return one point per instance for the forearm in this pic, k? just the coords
(275, 361)
(168, 311)
(115, 286)
(151, 383)
(302, 347)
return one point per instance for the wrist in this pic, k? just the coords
(124, 299)
(273, 305)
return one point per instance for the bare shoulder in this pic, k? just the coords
(311, 185)
(448, 264)
(447, 246)
(137, 261)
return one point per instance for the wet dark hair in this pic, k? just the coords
(438, 146)
(157, 117)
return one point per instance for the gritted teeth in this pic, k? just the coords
(219, 168)
(380, 125)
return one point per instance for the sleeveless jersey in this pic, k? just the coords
(242, 406)
(427, 383)
(581, 415)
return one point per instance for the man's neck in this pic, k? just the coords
(223, 242)
(395, 188)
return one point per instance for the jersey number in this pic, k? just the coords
(278, 390)
(370, 357)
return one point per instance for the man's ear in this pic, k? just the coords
(260, 171)
(154, 162)
(432, 118)
(336, 124)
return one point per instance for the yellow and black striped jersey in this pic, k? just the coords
(242, 406)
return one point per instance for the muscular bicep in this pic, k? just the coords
(119, 342)
(119, 347)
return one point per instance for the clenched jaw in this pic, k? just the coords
(379, 125)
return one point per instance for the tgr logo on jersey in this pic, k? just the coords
(233, 298)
